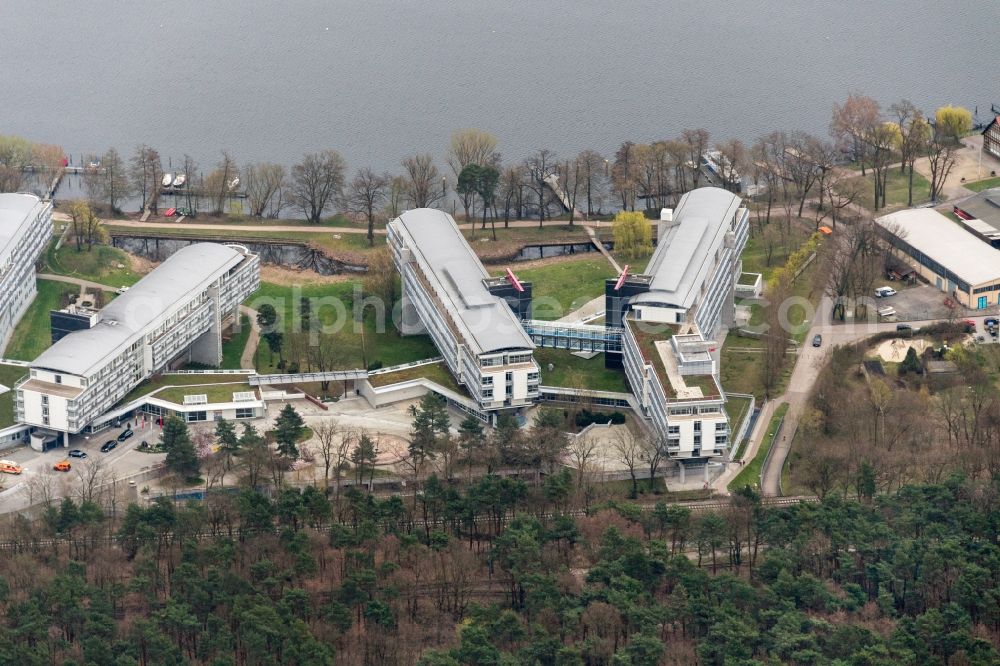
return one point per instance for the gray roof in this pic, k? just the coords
(486, 321)
(185, 273)
(15, 216)
(686, 253)
(984, 206)
(933, 234)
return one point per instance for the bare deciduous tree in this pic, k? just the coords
(264, 183)
(365, 195)
(423, 180)
(317, 183)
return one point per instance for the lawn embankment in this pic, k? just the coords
(232, 349)
(102, 264)
(9, 375)
(33, 334)
(750, 474)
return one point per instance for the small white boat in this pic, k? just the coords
(168, 178)
(179, 180)
(234, 183)
(95, 164)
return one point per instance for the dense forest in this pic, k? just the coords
(506, 573)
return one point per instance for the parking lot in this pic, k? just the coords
(922, 302)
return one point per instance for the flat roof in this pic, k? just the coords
(686, 253)
(934, 235)
(16, 212)
(984, 206)
(449, 263)
(184, 273)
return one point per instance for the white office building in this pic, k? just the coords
(175, 314)
(673, 312)
(25, 228)
(444, 295)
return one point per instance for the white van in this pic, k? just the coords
(884, 292)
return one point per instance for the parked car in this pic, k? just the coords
(970, 325)
(125, 435)
(817, 340)
(121, 290)
(991, 322)
(77, 453)
(108, 446)
(10, 467)
(884, 292)
(62, 466)
(903, 327)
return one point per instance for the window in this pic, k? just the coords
(45, 399)
(488, 381)
(191, 417)
(244, 412)
(673, 430)
(58, 379)
(697, 426)
(488, 393)
(721, 425)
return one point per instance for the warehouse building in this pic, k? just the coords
(449, 295)
(175, 314)
(25, 228)
(948, 257)
(980, 215)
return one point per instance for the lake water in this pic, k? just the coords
(380, 79)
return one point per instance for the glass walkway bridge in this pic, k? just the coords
(575, 337)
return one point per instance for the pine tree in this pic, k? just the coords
(288, 429)
(229, 441)
(181, 457)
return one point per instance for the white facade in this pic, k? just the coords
(178, 310)
(25, 228)
(483, 344)
(692, 280)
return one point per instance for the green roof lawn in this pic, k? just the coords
(161, 381)
(436, 372)
(216, 393)
(569, 371)
(562, 286)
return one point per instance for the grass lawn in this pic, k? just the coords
(896, 188)
(337, 220)
(333, 307)
(232, 349)
(351, 248)
(561, 287)
(98, 265)
(741, 370)
(985, 184)
(215, 392)
(33, 333)
(161, 381)
(574, 372)
(436, 372)
(750, 474)
(754, 255)
(9, 375)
